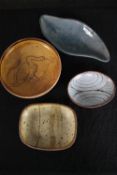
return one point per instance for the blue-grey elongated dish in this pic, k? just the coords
(74, 37)
(91, 89)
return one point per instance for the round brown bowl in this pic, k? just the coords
(48, 126)
(30, 68)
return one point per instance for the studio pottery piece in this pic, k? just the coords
(30, 68)
(74, 37)
(91, 89)
(48, 127)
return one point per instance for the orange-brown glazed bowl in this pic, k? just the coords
(30, 68)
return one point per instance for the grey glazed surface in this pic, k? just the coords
(74, 37)
(91, 89)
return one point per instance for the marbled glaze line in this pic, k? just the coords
(89, 95)
(101, 81)
(38, 125)
(51, 129)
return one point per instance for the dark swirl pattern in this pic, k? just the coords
(25, 70)
(91, 89)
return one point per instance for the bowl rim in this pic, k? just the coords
(95, 106)
(52, 149)
(37, 95)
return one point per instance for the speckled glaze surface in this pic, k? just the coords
(48, 126)
(30, 68)
(74, 37)
(91, 89)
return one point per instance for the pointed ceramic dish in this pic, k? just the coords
(30, 68)
(91, 89)
(74, 37)
(48, 126)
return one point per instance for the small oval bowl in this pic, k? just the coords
(91, 89)
(30, 68)
(48, 126)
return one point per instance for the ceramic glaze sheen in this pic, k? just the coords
(48, 126)
(30, 68)
(91, 89)
(74, 37)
